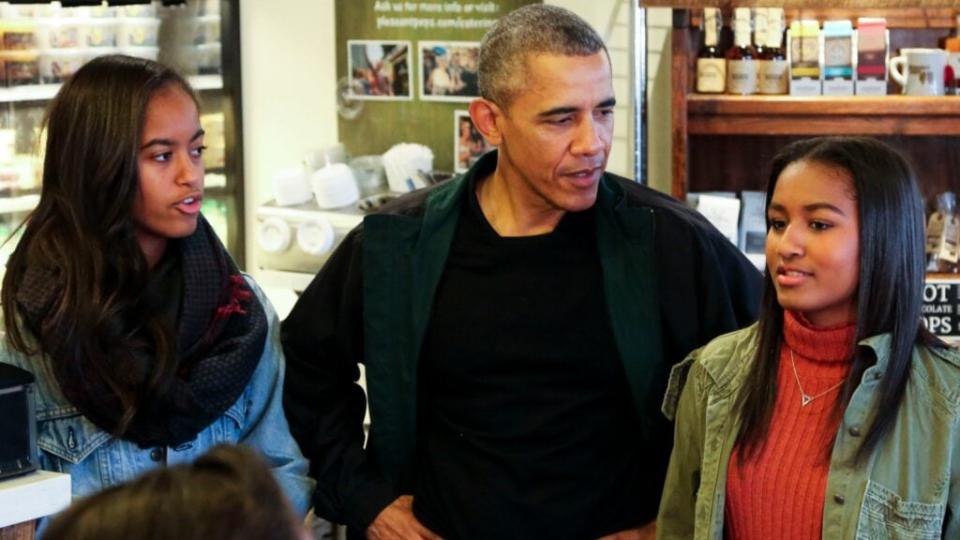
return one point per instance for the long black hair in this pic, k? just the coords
(83, 235)
(889, 291)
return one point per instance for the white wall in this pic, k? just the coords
(289, 103)
(659, 57)
(614, 15)
(289, 99)
(619, 42)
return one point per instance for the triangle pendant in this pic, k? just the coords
(805, 400)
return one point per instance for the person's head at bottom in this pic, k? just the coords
(227, 494)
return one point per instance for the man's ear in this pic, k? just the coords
(486, 115)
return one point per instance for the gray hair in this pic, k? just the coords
(532, 29)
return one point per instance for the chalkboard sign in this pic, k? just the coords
(941, 308)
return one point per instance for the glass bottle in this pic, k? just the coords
(774, 75)
(760, 33)
(711, 63)
(741, 58)
(943, 235)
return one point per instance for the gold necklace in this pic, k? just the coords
(806, 398)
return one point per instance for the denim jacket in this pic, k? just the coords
(908, 487)
(95, 460)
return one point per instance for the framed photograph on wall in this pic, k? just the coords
(380, 70)
(468, 143)
(448, 70)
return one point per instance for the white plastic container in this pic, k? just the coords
(316, 236)
(100, 32)
(334, 186)
(61, 33)
(13, 11)
(370, 175)
(102, 11)
(404, 163)
(137, 32)
(56, 65)
(291, 186)
(274, 235)
(137, 10)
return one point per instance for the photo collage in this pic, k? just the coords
(382, 70)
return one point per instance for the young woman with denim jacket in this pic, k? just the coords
(148, 344)
(837, 415)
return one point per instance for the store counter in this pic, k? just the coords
(25, 498)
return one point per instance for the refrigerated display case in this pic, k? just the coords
(41, 44)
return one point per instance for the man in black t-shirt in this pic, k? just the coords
(517, 323)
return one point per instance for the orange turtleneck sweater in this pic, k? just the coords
(780, 493)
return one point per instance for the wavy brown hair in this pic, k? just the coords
(83, 233)
(227, 494)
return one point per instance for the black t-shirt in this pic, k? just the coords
(526, 425)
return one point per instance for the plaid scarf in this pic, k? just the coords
(221, 332)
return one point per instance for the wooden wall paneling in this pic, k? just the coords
(684, 55)
(721, 164)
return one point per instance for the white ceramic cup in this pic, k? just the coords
(919, 71)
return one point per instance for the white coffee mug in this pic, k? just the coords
(919, 71)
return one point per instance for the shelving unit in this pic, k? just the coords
(22, 203)
(791, 115)
(44, 92)
(724, 142)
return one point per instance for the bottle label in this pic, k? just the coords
(711, 75)
(934, 232)
(949, 249)
(774, 77)
(741, 77)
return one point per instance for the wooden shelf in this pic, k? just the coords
(806, 4)
(725, 143)
(19, 204)
(909, 18)
(792, 115)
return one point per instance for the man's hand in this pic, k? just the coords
(398, 521)
(647, 532)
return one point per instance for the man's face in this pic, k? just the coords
(555, 134)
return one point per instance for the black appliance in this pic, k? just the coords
(18, 423)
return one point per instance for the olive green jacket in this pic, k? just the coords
(909, 487)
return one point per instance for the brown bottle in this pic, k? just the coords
(741, 58)
(774, 72)
(711, 62)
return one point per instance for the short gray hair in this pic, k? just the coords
(532, 29)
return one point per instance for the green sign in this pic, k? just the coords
(407, 72)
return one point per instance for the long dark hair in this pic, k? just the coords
(226, 494)
(82, 234)
(889, 291)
